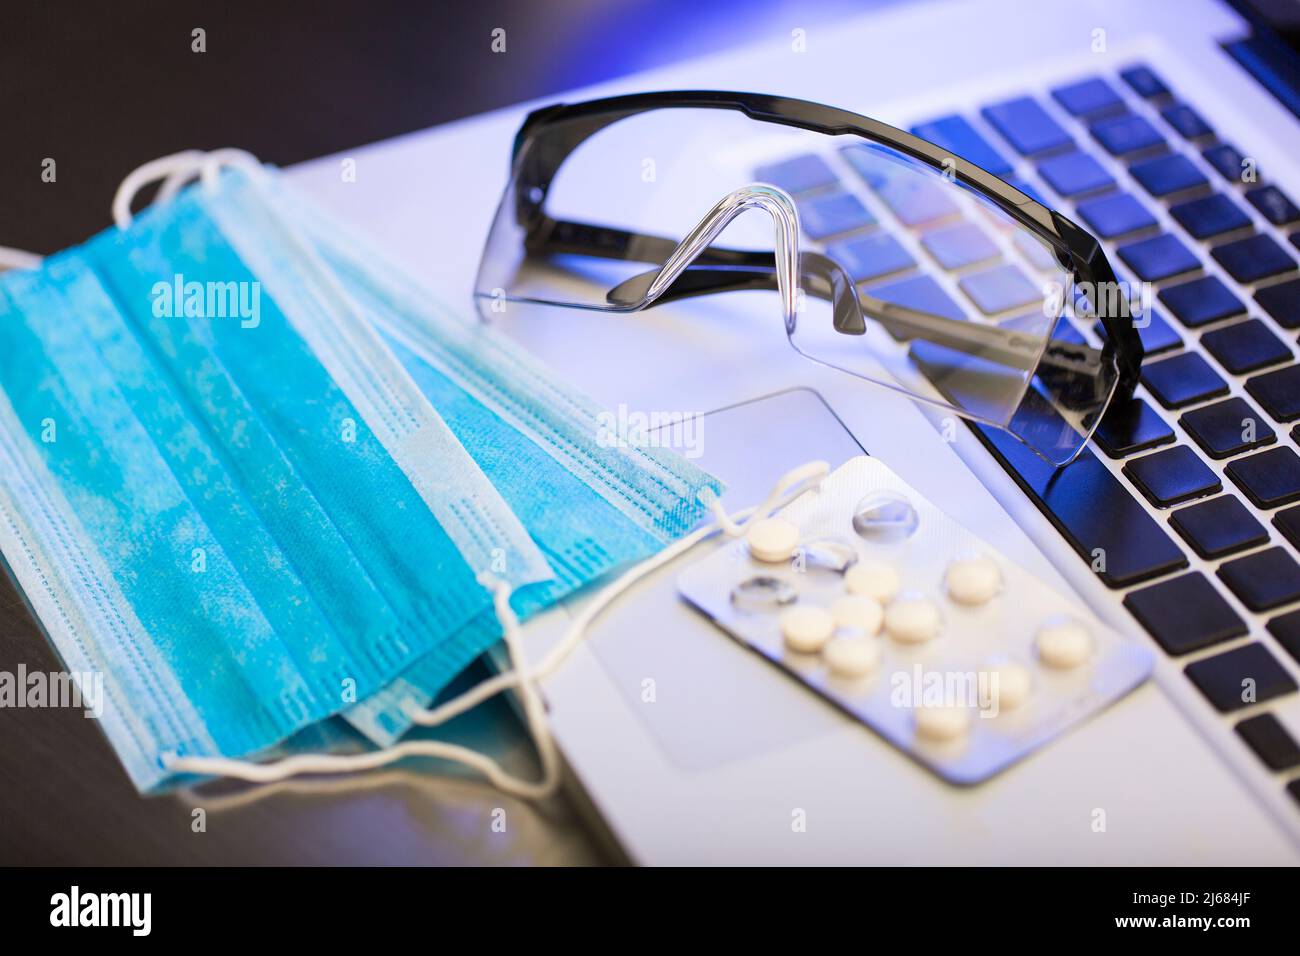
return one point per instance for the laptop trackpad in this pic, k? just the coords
(706, 699)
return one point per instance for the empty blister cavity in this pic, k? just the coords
(885, 516)
(830, 554)
(762, 592)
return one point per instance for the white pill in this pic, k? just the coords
(806, 627)
(859, 612)
(973, 581)
(873, 579)
(1063, 643)
(772, 539)
(913, 620)
(1009, 686)
(852, 655)
(942, 723)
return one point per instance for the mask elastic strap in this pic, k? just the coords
(791, 485)
(11, 258)
(175, 171)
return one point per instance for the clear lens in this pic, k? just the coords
(907, 278)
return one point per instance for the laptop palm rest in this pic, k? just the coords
(706, 699)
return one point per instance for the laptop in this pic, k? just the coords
(1136, 120)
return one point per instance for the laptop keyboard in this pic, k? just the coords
(1188, 212)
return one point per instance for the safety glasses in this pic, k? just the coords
(890, 258)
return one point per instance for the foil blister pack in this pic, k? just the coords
(875, 599)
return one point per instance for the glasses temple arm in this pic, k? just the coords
(718, 269)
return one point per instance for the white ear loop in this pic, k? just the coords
(175, 171)
(18, 258)
(791, 485)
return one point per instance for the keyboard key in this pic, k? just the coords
(1086, 96)
(830, 214)
(1278, 392)
(1271, 742)
(1115, 214)
(1227, 428)
(1157, 335)
(1282, 302)
(1173, 475)
(916, 201)
(1032, 324)
(1274, 204)
(922, 293)
(1240, 677)
(1270, 479)
(1158, 258)
(1000, 289)
(1186, 121)
(1144, 82)
(1092, 510)
(870, 256)
(911, 198)
(1039, 256)
(1263, 580)
(1074, 173)
(1130, 427)
(1253, 258)
(798, 174)
(1227, 161)
(956, 134)
(1286, 628)
(1246, 346)
(1126, 134)
(1025, 125)
(1219, 526)
(1185, 614)
(1167, 174)
(1183, 379)
(1288, 522)
(1210, 216)
(1201, 301)
(961, 245)
(1096, 514)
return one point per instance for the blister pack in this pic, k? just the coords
(875, 599)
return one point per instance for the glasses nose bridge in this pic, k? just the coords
(785, 242)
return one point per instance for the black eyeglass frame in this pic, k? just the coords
(550, 134)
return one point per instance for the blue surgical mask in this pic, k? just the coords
(221, 489)
(589, 506)
(211, 515)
